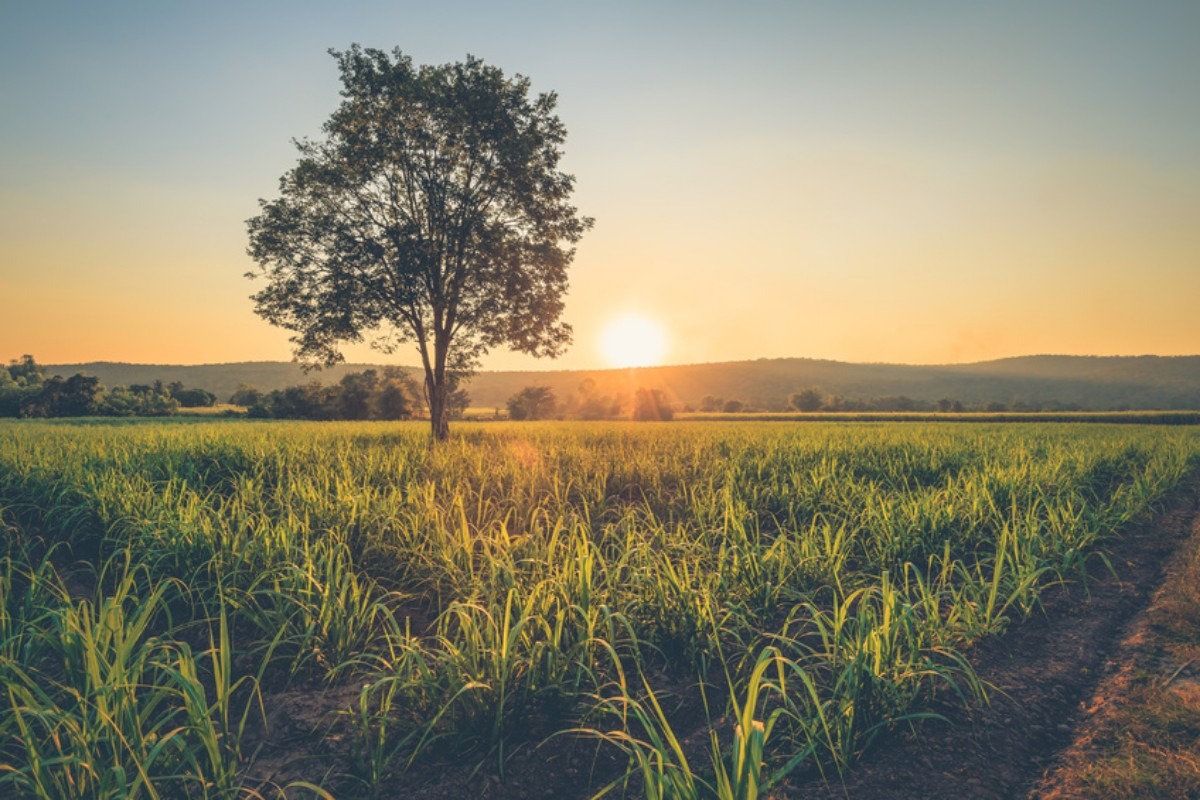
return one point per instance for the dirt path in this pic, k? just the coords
(1141, 734)
(1047, 670)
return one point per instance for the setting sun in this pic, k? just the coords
(633, 340)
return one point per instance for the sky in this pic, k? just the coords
(926, 182)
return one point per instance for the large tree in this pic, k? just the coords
(432, 211)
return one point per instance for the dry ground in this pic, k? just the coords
(1068, 684)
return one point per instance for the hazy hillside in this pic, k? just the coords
(1100, 383)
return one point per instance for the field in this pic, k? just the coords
(694, 609)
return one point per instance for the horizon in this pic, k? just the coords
(879, 185)
(348, 364)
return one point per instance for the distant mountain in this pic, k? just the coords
(1099, 383)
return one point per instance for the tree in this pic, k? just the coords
(533, 402)
(245, 396)
(432, 212)
(356, 391)
(807, 400)
(140, 401)
(587, 402)
(76, 396)
(398, 396)
(652, 405)
(191, 398)
(457, 400)
(949, 405)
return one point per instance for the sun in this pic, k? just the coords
(633, 340)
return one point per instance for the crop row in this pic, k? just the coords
(815, 585)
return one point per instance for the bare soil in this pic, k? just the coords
(1046, 670)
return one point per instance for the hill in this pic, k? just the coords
(1099, 383)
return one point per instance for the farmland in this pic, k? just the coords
(791, 592)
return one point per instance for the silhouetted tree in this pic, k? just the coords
(651, 405)
(807, 400)
(587, 403)
(394, 402)
(532, 402)
(399, 397)
(245, 396)
(949, 406)
(356, 391)
(433, 210)
(733, 407)
(191, 398)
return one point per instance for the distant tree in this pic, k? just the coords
(733, 406)
(120, 401)
(996, 407)
(76, 396)
(245, 396)
(587, 403)
(651, 405)
(835, 402)
(807, 400)
(20, 382)
(712, 403)
(393, 402)
(432, 211)
(949, 406)
(457, 401)
(25, 371)
(312, 401)
(398, 396)
(142, 401)
(191, 398)
(532, 402)
(355, 393)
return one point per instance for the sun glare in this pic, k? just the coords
(633, 340)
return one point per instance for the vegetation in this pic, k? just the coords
(433, 212)
(814, 587)
(1020, 385)
(532, 402)
(1142, 737)
(27, 391)
(390, 394)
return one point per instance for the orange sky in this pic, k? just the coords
(935, 185)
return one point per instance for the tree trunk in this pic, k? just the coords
(436, 394)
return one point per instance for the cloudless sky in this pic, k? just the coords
(919, 182)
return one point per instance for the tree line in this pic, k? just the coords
(541, 403)
(391, 393)
(388, 394)
(587, 403)
(27, 391)
(814, 400)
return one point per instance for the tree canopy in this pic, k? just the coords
(433, 211)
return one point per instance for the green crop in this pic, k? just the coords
(811, 587)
